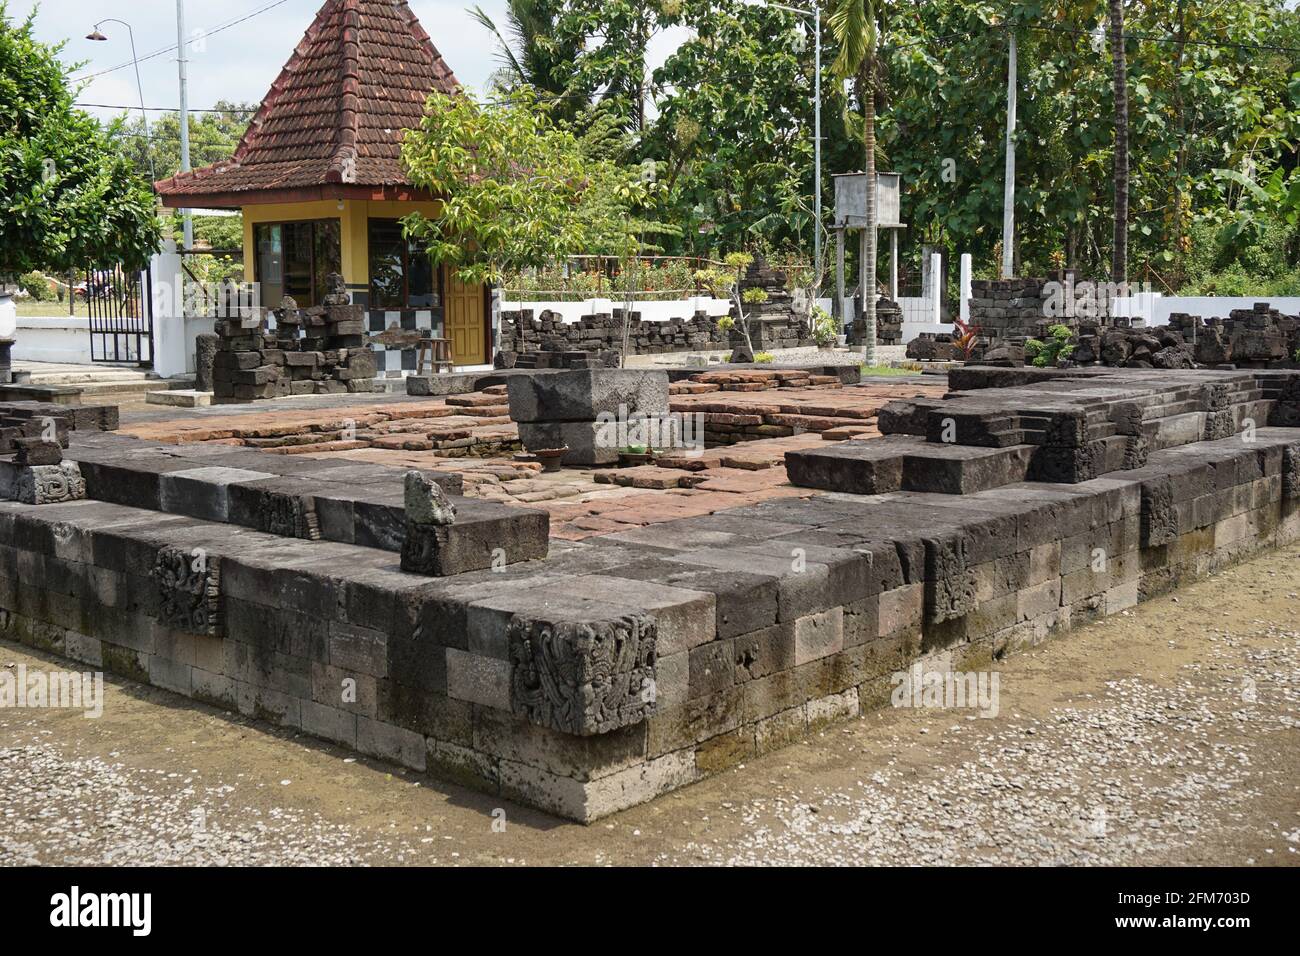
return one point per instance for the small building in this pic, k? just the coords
(319, 179)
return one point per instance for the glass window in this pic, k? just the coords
(387, 268)
(294, 258)
(402, 276)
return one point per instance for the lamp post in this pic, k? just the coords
(815, 14)
(99, 37)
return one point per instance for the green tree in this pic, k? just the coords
(734, 125)
(1119, 251)
(517, 190)
(610, 38)
(531, 53)
(68, 196)
(214, 135)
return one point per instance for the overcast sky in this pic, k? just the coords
(240, 62)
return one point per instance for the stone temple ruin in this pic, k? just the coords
(585, 676)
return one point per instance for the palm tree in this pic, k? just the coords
(1119, 254)
(533, 55)
(853, 23)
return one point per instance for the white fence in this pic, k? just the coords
(1154, 308)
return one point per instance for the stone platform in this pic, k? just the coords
(633, 662)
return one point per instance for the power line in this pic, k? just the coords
(167, 109)
(168, 49)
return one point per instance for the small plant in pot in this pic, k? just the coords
(825, 331)
(550, 458)
(635, 455)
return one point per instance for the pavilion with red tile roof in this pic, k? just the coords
(319, 178)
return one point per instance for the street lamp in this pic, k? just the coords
(99, 37)
(815, 14)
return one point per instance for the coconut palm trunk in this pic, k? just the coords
(1119, 253)
(869, 164)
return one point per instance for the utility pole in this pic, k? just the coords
(182, 58)
(1009, 185)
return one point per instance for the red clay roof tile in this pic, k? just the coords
(338, 109)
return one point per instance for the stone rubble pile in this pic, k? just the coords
(774, 324)
(1259, 337)
(319, 350)
(889, 323)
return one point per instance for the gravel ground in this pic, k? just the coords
(1167, 734)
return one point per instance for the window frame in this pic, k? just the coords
(257, 255)
(405, 305)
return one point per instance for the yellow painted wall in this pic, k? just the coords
(353, 215)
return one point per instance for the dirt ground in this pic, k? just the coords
(1164, 735)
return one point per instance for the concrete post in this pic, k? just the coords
(841, 307)
(171, 345)
(8, 328)
(936, 285)
(893, 264)
(965, 286)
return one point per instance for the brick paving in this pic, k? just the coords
(751, 418)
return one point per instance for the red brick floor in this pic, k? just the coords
(470, 434)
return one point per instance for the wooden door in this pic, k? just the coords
(464, 322)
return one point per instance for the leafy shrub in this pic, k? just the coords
(37, 286)
(824, 328)
(1045, 354)
(764, 357)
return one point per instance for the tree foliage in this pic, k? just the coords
(68, 196)
(517, 190)
(214, 135)
(1212, 85)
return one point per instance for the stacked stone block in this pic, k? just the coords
(315, 351)
(591, 414)
(32, 438)
(1259, 337)
(889, 323)
(1014, 309)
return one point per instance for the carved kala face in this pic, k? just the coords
(582, 677)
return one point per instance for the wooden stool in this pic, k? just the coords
(441, 349)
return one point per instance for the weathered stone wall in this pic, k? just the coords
(746, 656)
(1024, 308)
(712, 645)
(315, 351)
(524, 332)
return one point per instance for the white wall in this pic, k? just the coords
(1155, 308)
(41, 339)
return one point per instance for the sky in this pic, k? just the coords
(238, 63)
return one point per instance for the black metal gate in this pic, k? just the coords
(119, 305)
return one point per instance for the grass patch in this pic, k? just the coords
(886, 370)
(48, 310)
